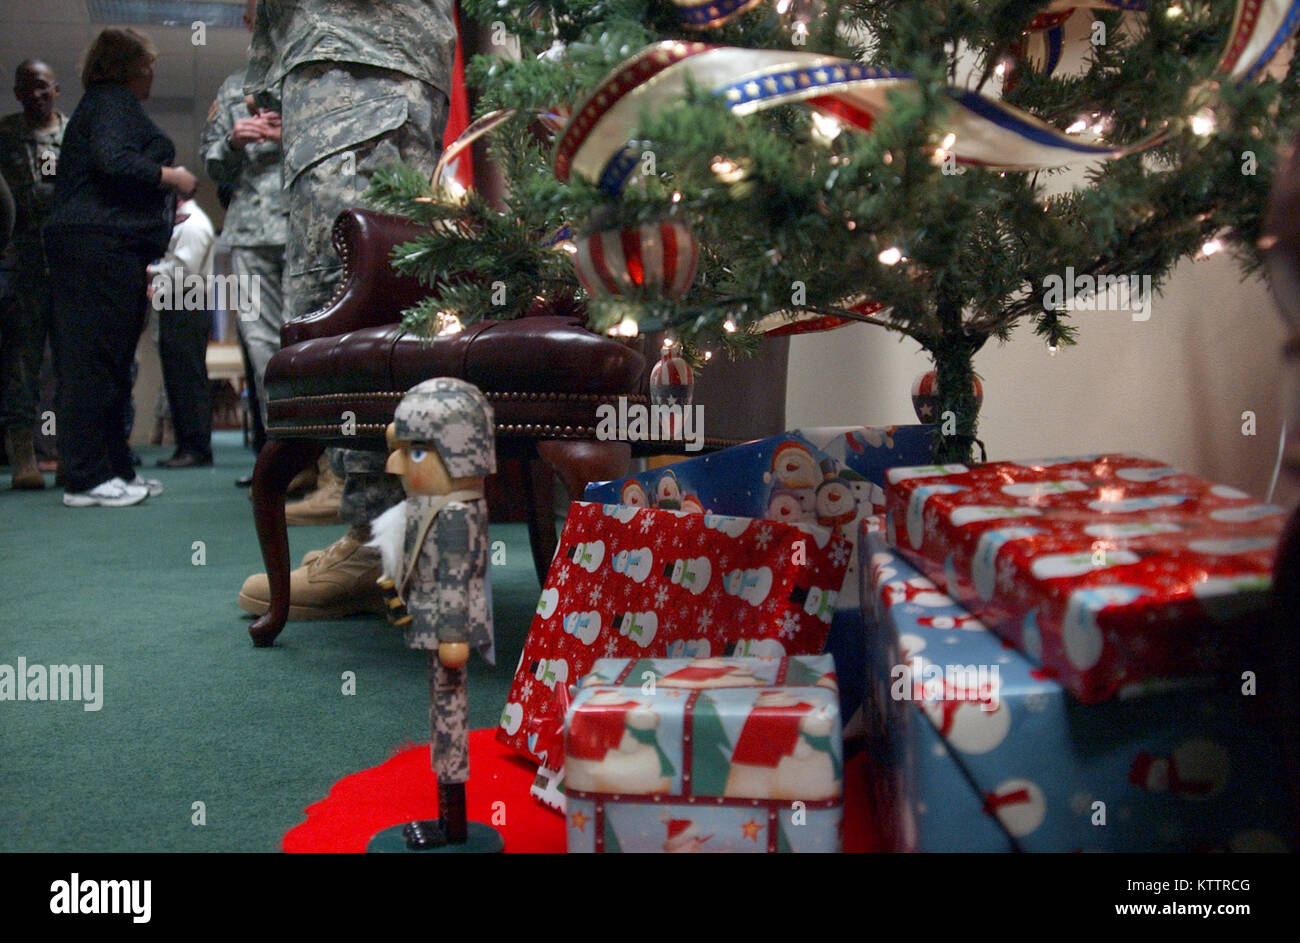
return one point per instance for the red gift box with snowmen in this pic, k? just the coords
(628, 582)
(1106, 570)
(710, 754)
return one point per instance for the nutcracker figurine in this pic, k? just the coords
(435, 557)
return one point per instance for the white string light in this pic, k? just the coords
(625, 328)
(891, 256)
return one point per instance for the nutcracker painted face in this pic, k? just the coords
(419, 466)
(442, 437)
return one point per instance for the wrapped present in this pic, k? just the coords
(1106, 570)
(630, 581)
(832, 477)
(1180, 766)
(713, 754)
(922, 799)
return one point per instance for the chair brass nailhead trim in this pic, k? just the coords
(710, 444)
(500, 397)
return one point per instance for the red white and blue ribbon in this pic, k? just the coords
(1259, 28)
(445, 171)
(983, 131)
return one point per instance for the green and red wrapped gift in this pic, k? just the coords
(715, 754)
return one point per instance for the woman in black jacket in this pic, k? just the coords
(113, 210)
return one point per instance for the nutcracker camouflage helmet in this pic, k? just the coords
(453, 417)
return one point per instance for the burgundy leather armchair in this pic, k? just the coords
(342, 370)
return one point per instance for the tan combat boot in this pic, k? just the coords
(319, 507)
(304, 483)
(339, 582)
(22, 458)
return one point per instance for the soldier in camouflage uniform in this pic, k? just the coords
(241, 150)
(360, 84)
(435, 558)
(29, 152)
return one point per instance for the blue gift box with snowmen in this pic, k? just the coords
(832, 476)
(704, 754)
(1183, 766)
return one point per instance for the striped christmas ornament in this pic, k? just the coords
(925, 395)
(652, 257)
(672, 381)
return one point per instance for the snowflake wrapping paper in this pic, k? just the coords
(1184, 766)
(642, 582)
(1106, 570)
(833, 477)
(705, 754)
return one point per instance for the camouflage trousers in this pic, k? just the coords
(342, 122)
(25, 323)
(368, 490)
(260, 328)
(448, 722)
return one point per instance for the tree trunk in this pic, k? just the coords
(954, 356)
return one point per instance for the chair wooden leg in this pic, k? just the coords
(539, 499)
(578, 462)
(277, 463)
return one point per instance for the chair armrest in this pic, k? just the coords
(371, 293)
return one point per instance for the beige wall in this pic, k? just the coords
(1173, 387)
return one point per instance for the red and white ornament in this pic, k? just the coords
(654, 256)
(925, 395)
(672, 382)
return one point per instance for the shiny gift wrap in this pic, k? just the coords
(1180, 766)
(830, 476)
(1106, 570)
(711, 754)
(630, 581)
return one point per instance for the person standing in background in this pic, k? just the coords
(30, 142)
(183, 333)
(240, 147)
(113, 211)
(360, 84)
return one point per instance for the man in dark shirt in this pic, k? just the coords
(29, 154)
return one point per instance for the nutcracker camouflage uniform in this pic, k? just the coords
(446, 552)
(256, 225)
(359, 84)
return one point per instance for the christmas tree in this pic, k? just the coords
(890, 161)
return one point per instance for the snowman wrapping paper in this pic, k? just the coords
(1105, 570)
(833, 477)
(711, 754)
(1182, 766)
(630, 581)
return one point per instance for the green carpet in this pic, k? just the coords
(191, 711)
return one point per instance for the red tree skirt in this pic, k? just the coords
(403, 790)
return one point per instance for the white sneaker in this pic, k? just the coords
(153, 487)
(114, 493)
